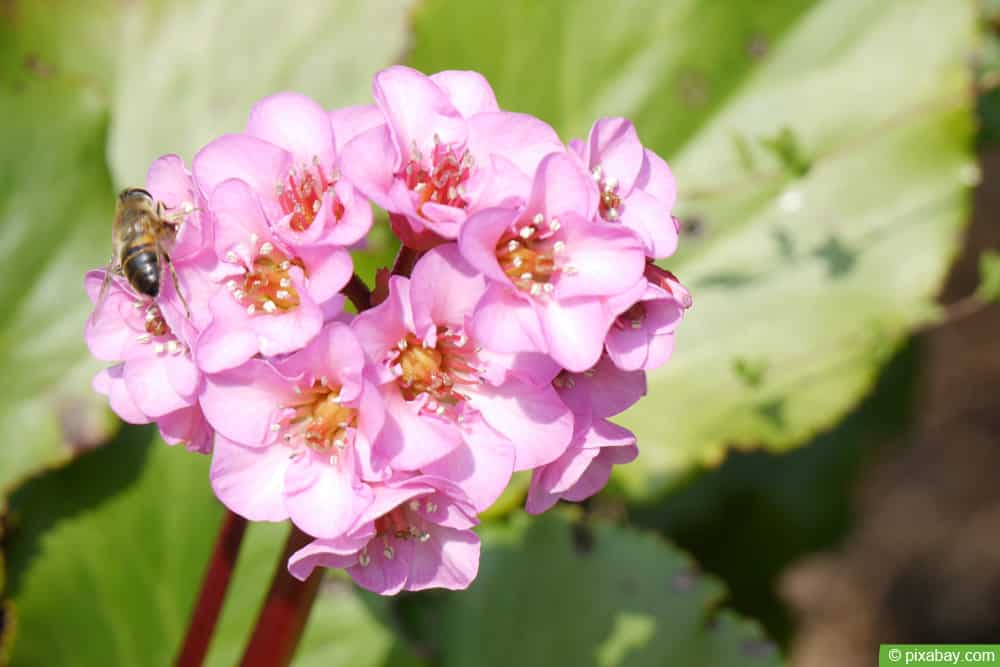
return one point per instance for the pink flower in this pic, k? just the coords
(450, 412)
(275, 294)
(601, 391)
(156, 380)
(635, 185)
(584, 469)
(170, 183)
(415, 535)
(642, 337)
(445, 151)
(555, 275)
(295, 435)
(288, 157)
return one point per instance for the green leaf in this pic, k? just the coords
(989, 277)
(90, 94)
(106, 556)
(551, 593)
(825, 191)
(54, 189)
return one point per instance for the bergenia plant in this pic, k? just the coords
(522, 314)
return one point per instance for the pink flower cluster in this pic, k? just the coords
(529, 318)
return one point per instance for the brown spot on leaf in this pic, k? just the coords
(35, 65)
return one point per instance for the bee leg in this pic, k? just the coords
(173, 276)
(108, 270)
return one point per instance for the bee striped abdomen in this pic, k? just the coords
(141, 267)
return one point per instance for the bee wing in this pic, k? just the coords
(102, 295)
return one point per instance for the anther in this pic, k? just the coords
(389, 553)
(558, 247)
(254, 238)
(526, 232)
(424, 536)
(266, 248)
(285, 282)
(251, 309)
(364, 560)
(526, 275)
(232, 257)
(158, 348)
(415, 505)
(143, 338)
(173, 347)
(538, 219)
(275, 427)
(431, 507)
(512, 245)
(536, 289)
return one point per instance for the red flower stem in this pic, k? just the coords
(357, 291)
(283, 616)
(213, 591)
(406, 259)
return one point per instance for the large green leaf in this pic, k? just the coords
(107, 553)
(106, 556)
(549, 593)
(90, 94)
(821, 149)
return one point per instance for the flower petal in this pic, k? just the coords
(532, 418)
(574, 331)
(349, 122)
(323, 498)
(368, 162)
(506, 323)
(614, 145)
(110, 383)
(338, 553)
(244, 402)
(250, 480)
(444, 289)
(469, 92)
(410, 440)
(448, 559)
(520, 138)
(258, 163)
(560, 187)
(608, 259)
(481, 466)
(417, 110)
(296, 123)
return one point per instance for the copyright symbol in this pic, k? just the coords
(895, 654)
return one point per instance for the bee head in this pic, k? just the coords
(135, 195)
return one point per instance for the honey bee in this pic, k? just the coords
(139, 232)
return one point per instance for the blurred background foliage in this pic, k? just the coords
(824, 152)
